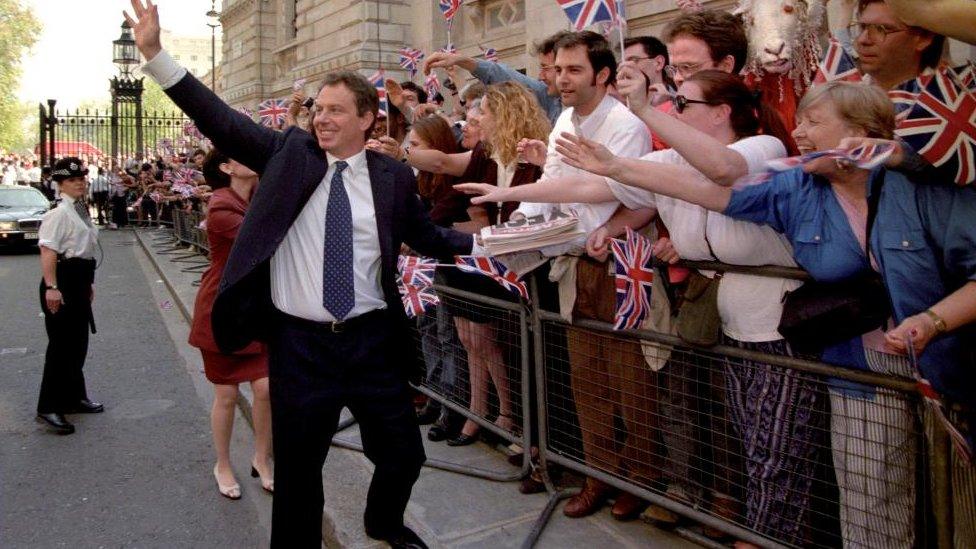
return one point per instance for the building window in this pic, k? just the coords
(503, 13)
(193, 58)
(176, 57)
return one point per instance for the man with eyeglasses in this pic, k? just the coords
(544, 89)
(890, 51)
(709, 39)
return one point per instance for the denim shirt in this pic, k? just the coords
(923, 238)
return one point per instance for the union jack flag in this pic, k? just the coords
(376, 80)
(416, 284)
(409, 58)
(491, 54)
(271, 112)
(966, 75)
(634, 279)
(837, 64)
(903, 96)
(933, 401)
(432, 85)
(190, 129)
(491, 267)
(865, 157)
(449, 8)
(247, 112)
(184, 176)
(942, 127)
(583, 13)
(449, 48)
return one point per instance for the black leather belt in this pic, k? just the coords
(338, 326)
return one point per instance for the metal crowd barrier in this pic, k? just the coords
(774, 450)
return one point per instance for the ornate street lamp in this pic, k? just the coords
(124, 52)
(213, 21)
(126, 97)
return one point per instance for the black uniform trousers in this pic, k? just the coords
(63, 383)
(100, 201)
(313, 374)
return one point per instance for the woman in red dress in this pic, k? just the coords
(232, 184)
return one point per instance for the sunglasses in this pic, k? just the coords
(681, 103)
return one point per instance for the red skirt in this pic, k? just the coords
(233, 369)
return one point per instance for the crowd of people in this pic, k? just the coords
(667, 141)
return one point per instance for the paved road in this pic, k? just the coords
(138, 475)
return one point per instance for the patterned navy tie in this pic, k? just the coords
(338, 295)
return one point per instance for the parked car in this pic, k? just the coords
(21, 210)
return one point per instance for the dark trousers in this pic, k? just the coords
(314, 373)
(63, 384)
(100, 201)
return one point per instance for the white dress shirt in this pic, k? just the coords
(63, 231)
(296, 267)
(615, 127)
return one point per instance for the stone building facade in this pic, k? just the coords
(268, 44)
(193, 52)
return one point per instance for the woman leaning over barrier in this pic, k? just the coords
(714, 132)
(233, 185)
(921, 244)
(509, 113)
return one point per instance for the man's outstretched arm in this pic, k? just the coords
(233, 133)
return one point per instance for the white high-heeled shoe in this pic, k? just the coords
(267, 485)
(232, 491)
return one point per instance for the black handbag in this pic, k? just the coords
(819, 314)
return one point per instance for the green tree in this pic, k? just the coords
(19, 30)
(154, 99)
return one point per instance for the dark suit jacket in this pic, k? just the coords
(292, 165)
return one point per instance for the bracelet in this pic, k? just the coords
(940, 324)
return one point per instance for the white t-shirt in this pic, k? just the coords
(750, 306)
(615, 127)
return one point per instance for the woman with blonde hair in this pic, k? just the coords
(509, 114)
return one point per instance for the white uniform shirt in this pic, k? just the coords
(750, 306)
(615, 127)
(296, 267)
(63, 231)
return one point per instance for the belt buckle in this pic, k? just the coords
(338, 326)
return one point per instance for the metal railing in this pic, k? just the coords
(754, 445)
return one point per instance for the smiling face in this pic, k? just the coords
(339, 128)
(578, 85)
(820, 127)
(704, 118)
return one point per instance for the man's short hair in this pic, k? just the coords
(720, 30)
(597, 51)
(548, 46)
(473, 90)
(931, 55)
(652, 46)
(421, 94)
(364, 93)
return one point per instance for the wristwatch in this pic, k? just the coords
(51, 286)
(940, 325)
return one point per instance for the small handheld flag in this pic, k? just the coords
(634, 279)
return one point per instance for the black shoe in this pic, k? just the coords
(429, 414)
(463, 440)
(86, 406)
(437, 433)
(56, 423)
(405, 538)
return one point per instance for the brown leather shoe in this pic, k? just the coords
(627, 507)
(589, 501)
(726, 508)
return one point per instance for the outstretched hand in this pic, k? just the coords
(488, 193)
(585, 154)
(532, 151)
(145, 27)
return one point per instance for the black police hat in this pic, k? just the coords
(68, 167)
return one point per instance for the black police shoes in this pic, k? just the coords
(56, 423)
(405, 538)
(86, 406)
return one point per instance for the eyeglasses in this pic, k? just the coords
(684, 69)
(681, 103)
(876, 32)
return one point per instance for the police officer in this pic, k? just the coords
(68, 239)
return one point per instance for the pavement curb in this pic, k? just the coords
(243, 403)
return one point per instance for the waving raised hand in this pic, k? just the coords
(145, 27)
(584, 154)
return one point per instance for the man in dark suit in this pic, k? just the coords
(312, 273)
